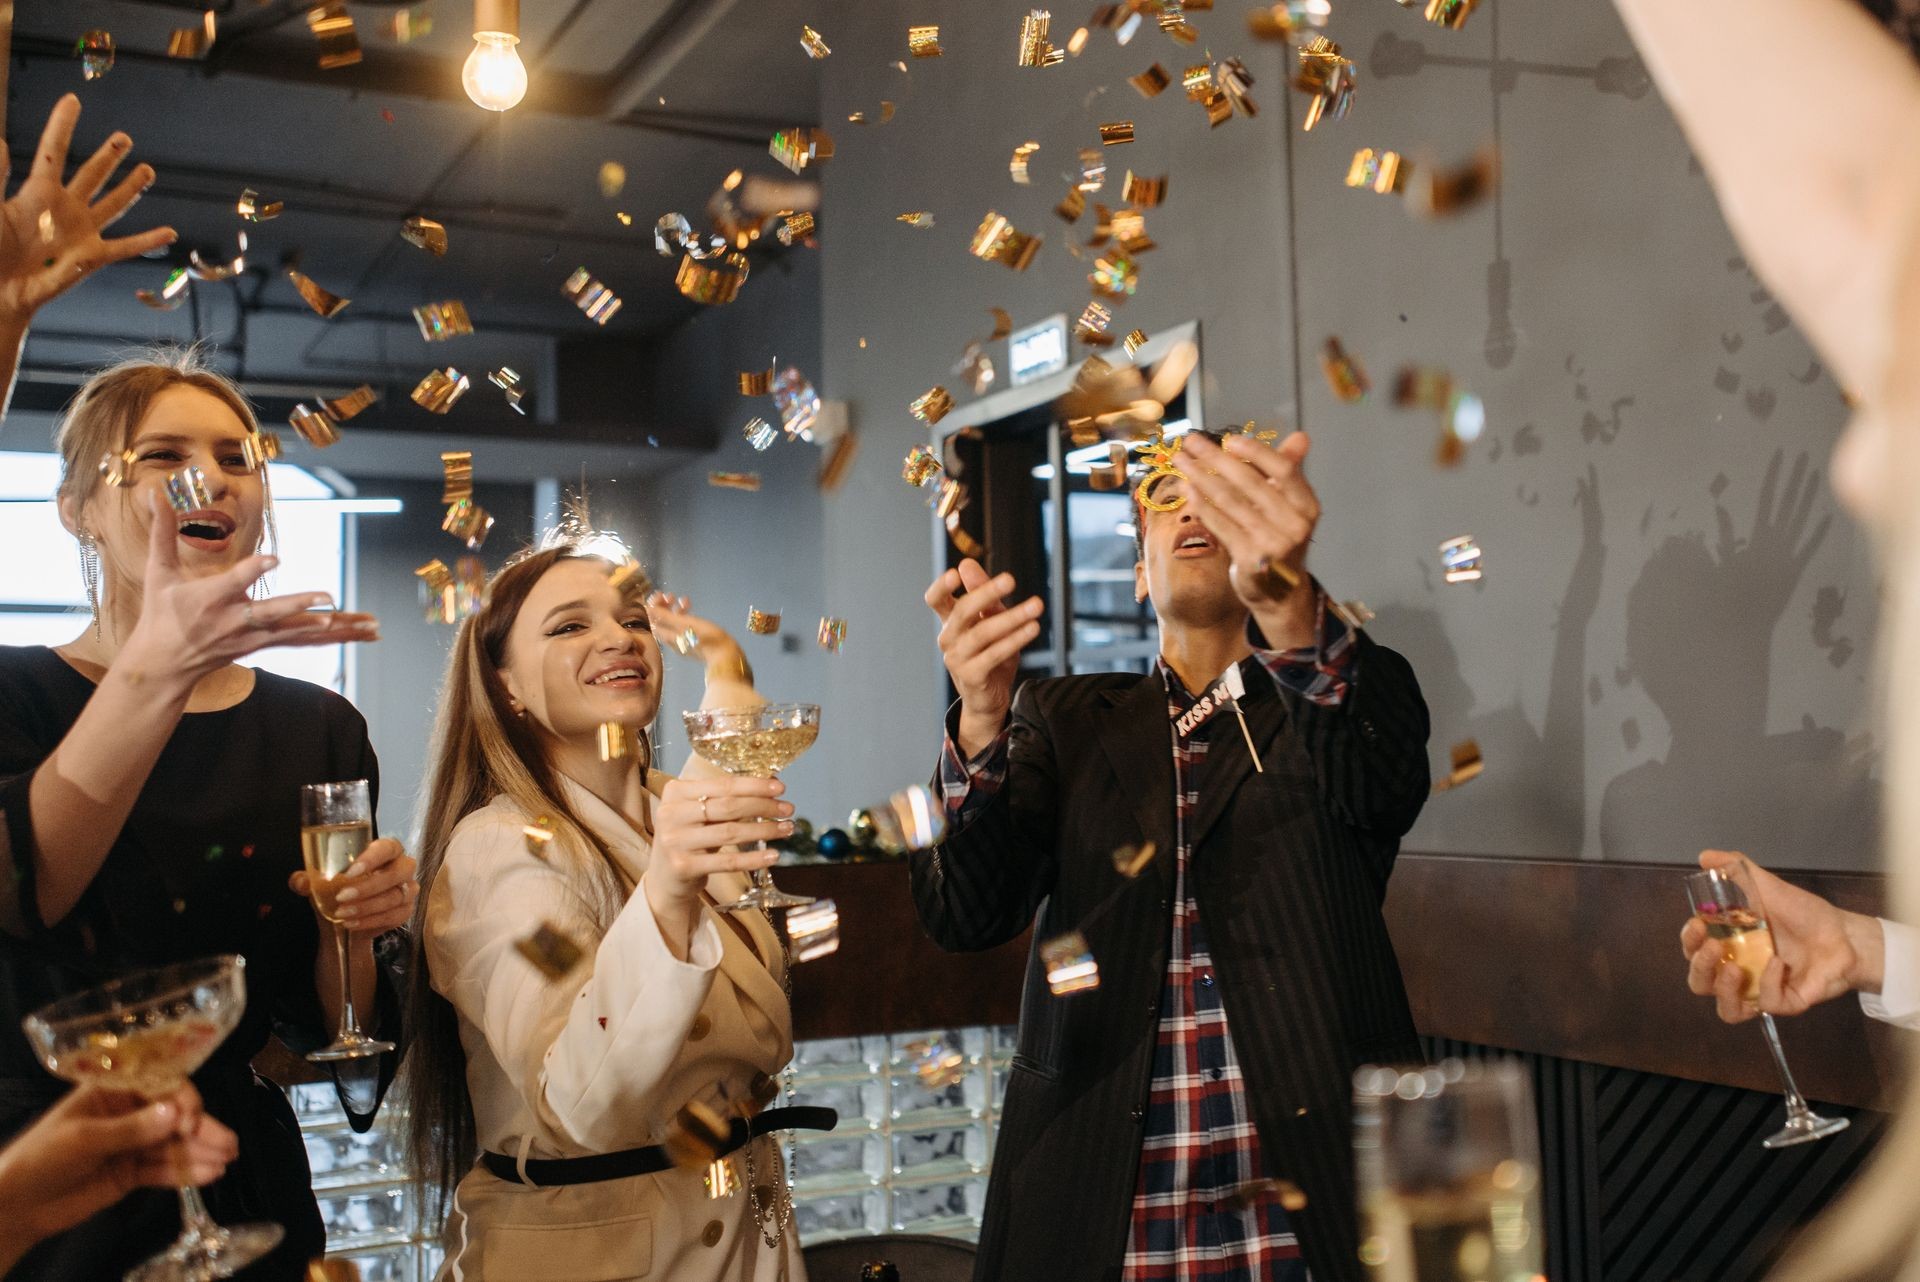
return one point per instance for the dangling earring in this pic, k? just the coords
(90, 575)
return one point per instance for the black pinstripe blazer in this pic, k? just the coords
(1288, 869)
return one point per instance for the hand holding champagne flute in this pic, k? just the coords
(336, 826)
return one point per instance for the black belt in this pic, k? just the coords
(653, 1159)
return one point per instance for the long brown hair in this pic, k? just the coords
(482, 751)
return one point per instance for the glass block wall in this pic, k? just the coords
(906, 1157)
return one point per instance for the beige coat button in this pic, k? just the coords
(701, 1027)
(713, 1234)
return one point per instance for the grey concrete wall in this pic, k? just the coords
(1671, 646)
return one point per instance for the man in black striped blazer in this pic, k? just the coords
(1189, 1117)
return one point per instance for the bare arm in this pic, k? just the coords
(1816, 186)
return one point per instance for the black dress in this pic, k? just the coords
(201, 868)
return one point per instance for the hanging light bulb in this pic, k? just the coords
(494, 76)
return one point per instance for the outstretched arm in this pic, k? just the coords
(1817, 194)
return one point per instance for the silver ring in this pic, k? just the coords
(247, 609)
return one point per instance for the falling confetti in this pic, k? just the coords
(440, 321)
(832, 634)
(810, 41)
(1467, 765)
(931, 406)
(1069, 964)
(760, 434)
(325, 303)
(813, 930)
(613, 178)
(1344, 373)
(168, 296)
(551, 951)
(440, 389)
(512, 385)
(95, 51)
(762, 623)
(922, 467)
(997, 241)
(255, 210)
(1461, 559)
(590, 296)
(426, 234)
(924, 42)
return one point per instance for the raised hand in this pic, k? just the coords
(1772, 558)
(674, 622)
(1256, 499)
(50, 229)
(981, 638)
(196, 626)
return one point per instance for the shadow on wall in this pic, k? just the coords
(1700, 625)
(1525, 783)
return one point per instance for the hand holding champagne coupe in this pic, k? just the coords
(761, 742)
(148, 1033)
(336, 824)
(1738, 925)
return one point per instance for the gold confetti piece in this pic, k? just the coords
(187, 490)
(810, 41)
(1448, 191)
(539, 833)
(757, 382)
(1218, 106)
(799, 147)
(795, 227)
(1151, 82)
(1175, 26)
(342, 408)
(1145, 192)
(612, 178)
(1327, 78)
(931, 406)
(426, 234)
(911, 819)
(813, 930)
(1235, 81)
(332, 26)
(921, 468)
(456, 475)
(407, 26)
(1111, 475)
(715, 282)
(192, 42)
(884, 115)
(1131, 861)
(1381, 171)
(1282, 21)
(440, 321)
(316, 428)
(997, 241)
(630, 579)
(1417, 387)
(952, 497)
(685, 642)
(1018, 165)
(1451, 14)
(626, 219)
(918, 218)
(1070, 964)
(699, 1133)
(1115, 276)
(254, 210)
(438, 391)
(468, 522)
(1354, 614)
(924, 42)
(204, 270)
(1248, 1196)
(1091, 328)
(511, 384)
(962, 541)
(1460, 559)
(722, 1180)
(1002, 323)
(1116, 132)
(762, 622)
(325, 303)
(551, 951)
(749, 481)
(1134, 341)
(833, 634)
(1344, 373)
(453, 595)
(839, 461)
(590, 296)
(937, 1062)
(1077, 41)
(1467, 766)
(616, 741)
(1072, 206)
(95, 51)
(1093, 169)
(1035, 49)
(673, 234)
(258, 449)
(1198, 81)
(169, 295)
(760, 434)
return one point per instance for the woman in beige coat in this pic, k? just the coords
(546, 1092)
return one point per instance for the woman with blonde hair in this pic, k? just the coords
(151, 783)
(576, 985)
(1825, 200)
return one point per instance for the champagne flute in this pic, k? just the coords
(1448, 1160)
(336, 824)
(1739, 926)
(759, 741)
(148, 1033)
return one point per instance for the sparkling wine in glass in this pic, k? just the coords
(1737, 923)
(1448, 1160)
(148, 1033)
(759, 741)
(336, 824)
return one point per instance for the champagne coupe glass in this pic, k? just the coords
(759, 741)
(336, 824)
(147, 1033)
(1448, 1160)
(1737, 923)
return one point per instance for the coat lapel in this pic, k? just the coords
(1228, 762)
(1134, 733)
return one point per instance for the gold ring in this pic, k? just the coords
(703, 811)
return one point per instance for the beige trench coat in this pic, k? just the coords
(597, 1062)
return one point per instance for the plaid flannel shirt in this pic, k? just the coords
(1196, 1215)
